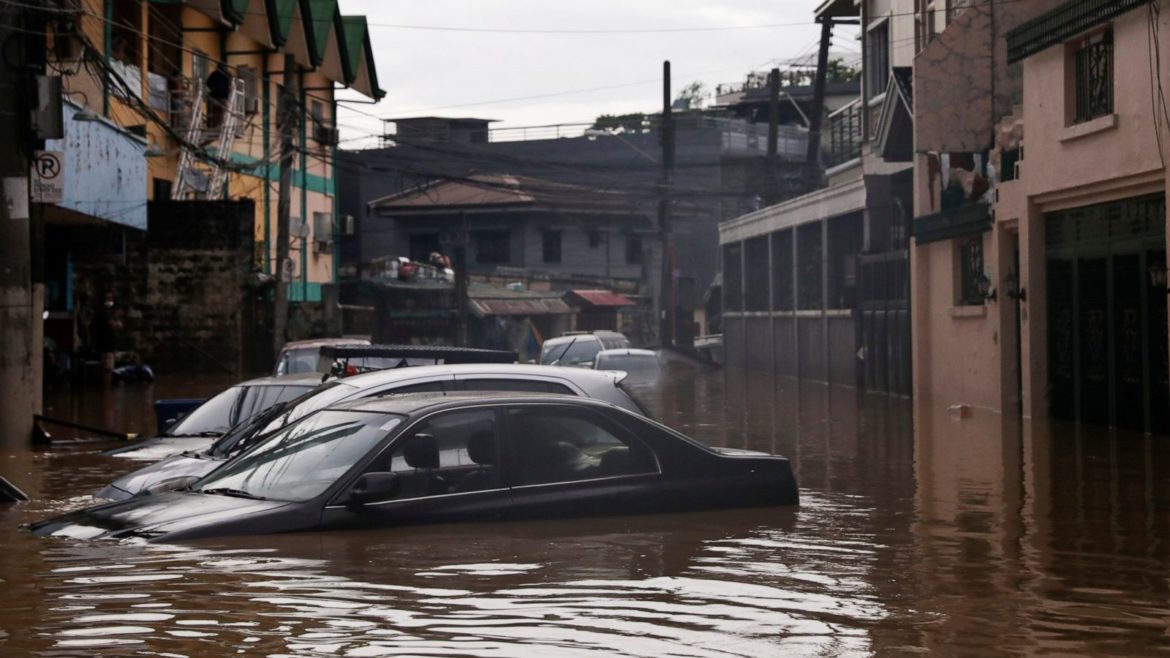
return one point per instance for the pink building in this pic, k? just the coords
(1038, 271)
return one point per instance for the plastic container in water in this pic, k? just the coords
(166, 412)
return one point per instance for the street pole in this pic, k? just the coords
(773, 132)
(287, 117)
(816, 120)
(460, 263)
(19, 366)
(666, 308)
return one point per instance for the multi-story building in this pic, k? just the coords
(181, 101)
(1039, 265)
(816, 287)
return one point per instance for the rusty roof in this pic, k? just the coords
(599, 298)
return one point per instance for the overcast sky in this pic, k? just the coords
(446, 72)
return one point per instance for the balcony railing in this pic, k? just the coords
(843, 135)
(967, 219)
(1063, 23)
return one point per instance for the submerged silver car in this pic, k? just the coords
(179, 470)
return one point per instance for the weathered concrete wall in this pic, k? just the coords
(963, 84)
(198, 264)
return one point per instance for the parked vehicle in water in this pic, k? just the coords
(580, 348)
(302, 355)
(427, 458)
(641, 365)
(181, 469)
(209, 421)
(348, 360)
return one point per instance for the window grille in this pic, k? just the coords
(970, 271)
(1094, 77)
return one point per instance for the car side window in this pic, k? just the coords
(527, 385)
(550, 446)
(451, 453)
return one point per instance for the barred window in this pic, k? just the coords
(1093, 60)
(970, 251)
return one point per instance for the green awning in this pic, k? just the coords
(280, 19)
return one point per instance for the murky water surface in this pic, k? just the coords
(918, 533)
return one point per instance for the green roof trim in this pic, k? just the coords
(234, 10)
(320, 16)
(357, 46)
(280, 18)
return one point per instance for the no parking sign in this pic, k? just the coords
(48, 177)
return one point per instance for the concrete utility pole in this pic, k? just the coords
(666, 305)
(773, 132)
(287, 116)
(818, 109)
(19, 366)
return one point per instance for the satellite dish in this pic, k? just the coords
(287, 269)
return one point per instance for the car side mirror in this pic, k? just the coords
(374, 486)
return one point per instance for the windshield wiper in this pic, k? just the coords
(235, 493)
(204, 434)
(563, 352)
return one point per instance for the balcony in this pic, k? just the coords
(843, 135)
(967, 219)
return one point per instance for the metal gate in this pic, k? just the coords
(1107, 322)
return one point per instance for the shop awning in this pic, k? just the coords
(519, 306)
(598, 298)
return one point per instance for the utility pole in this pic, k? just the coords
(460, 264)
(773, 132)
(818, 109)
(666, 305)
(287, 117)
(18, 364)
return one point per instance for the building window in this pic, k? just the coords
(551, 246)
(633, 250)
(877, 59)
(594, 239)
(1093, 61)
(493, 247)
(970, 271)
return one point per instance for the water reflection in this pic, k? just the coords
(919, 532)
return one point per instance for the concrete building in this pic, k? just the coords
(719, 173)
(178, 101)
(1038, 273)
(817, 287)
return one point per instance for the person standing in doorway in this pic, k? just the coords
(104, 334)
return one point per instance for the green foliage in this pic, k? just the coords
(632, 122)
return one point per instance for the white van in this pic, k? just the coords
(580, 347)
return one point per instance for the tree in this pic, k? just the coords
(839, 71)
(634, 122)
(693, 96)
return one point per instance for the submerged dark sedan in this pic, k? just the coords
(426, 458)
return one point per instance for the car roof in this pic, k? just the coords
(564, 339)
(317, 342)
(627, 351)
(412, 403)
(308, 379)
(515, 370)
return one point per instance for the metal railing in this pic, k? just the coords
(843, 137)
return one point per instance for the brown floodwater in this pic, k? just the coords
(919, 532)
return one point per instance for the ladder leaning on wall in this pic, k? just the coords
(233, 118)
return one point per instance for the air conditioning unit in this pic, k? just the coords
(325, 135)
(345, 225)
(252, 105)
(322, 247)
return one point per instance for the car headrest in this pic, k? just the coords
(481, 447)
(421, 451)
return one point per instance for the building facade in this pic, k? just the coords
(1039, 263)
(817, 287)
(180, 103)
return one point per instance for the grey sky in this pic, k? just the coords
(454, 73)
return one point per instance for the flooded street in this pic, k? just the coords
(918, 532)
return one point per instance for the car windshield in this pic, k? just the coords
(318, 398)
(301, 461)
(233, 406)
(581, 349)
(210, 418)
(633, 364)
(298, 360)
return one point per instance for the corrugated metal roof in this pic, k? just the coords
(508, 191)
(600, 298)
(519, 306)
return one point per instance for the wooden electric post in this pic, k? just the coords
(287, 116)
(666, 306)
